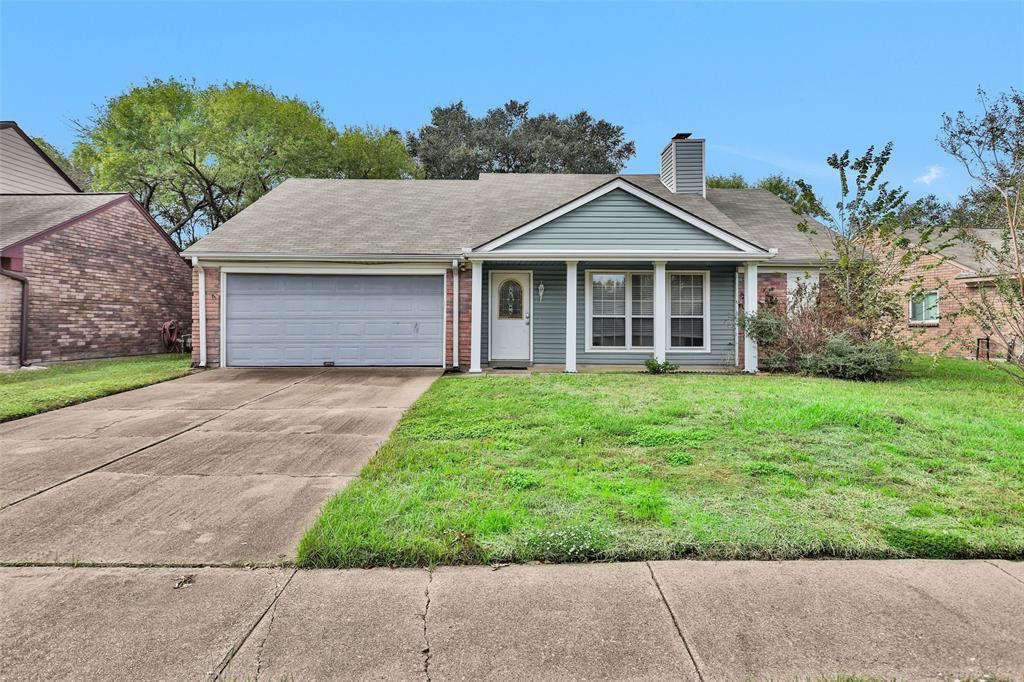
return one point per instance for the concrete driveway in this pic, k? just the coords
(224, 467)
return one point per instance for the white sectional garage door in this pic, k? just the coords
(345, 319)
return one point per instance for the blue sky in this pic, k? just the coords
(772, 87)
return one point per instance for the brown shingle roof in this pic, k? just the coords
(305, 218)
(25, 215)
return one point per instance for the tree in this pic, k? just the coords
(778, 184)
(733, 181)
(875, 238)
(194, 157)
(990, 146)
(79, 176)
(456, 145)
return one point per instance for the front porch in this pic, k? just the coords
(567, 315)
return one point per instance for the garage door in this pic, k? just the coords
(344, 319)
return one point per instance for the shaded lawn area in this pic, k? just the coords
(27, 392)
(628, 467)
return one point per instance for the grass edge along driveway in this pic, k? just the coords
(26, 392)
(601, 467)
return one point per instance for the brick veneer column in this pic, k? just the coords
(772, 284)
(465, 304)
(212, 277)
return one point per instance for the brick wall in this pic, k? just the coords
(103, 287)
(10, 321)
(950, 337)
(465, 306)
(212, 276)
(769, 284)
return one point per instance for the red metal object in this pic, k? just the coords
(169, 334)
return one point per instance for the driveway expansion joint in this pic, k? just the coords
(675, 622)
(154, 443)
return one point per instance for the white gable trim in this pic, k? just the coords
(619, 183)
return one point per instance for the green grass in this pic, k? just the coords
(628, 466)
(28, 392)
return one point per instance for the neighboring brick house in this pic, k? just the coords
(945, 282)
(82, 275)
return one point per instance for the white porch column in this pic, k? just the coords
(570, 316)
(476, 312)
(660, 311)
(750, 308)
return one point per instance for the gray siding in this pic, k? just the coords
(23, 171)
(689, 166)
(549, 314)
(668, 167)
(617, 220)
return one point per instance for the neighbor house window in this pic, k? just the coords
(924, 309)
(686, 304)
(622, 310)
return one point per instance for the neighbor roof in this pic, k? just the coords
(365, 218)
(25, 215)
(46, 157)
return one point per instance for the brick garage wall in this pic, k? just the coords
(953, 338)
(769, 284)
(10, 321)
(212, 276)
(465, 305)
(103, 287)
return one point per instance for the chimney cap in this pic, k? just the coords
(682, 136)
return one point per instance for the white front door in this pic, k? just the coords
(510, 315)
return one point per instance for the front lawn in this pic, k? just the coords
(25, 392)
(553, 467)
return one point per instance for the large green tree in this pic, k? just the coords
(507, 139)
(781, 186)
(196, 156)
(80, 177)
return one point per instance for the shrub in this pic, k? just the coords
(842, 357)
(655, 367)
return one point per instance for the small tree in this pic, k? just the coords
(874, 236)
(990, 146)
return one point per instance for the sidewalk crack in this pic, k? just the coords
(426, 635)
(675, 622)
(230, 655)
(1004, 571)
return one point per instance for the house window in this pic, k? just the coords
(510, 300)
(621, 311)
(642, 310)
(687, 314)
(608, 310)
(924, 309)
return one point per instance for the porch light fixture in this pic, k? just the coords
(540, 291)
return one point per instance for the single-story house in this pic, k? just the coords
(509, 270)
(82, 275)
(944, 283)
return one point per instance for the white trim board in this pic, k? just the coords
(618, 183)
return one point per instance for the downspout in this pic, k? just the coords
(202, 310)
(455, 313)
(23, 341)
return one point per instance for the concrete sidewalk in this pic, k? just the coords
(659, 620)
